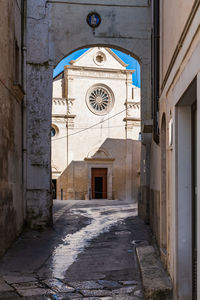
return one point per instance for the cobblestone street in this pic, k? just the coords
(89, 253)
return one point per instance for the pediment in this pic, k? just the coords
(99, 154)
(99, 57)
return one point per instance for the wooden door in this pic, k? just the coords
(99, 183)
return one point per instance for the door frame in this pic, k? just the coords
(194, 200)
(108, 164)
(96, 172)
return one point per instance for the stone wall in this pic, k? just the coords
(11, 193)
(125, 170)
(39, 76)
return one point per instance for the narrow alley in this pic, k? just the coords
(88, 254)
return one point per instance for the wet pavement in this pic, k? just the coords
(89, 253)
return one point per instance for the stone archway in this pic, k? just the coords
(56, 29)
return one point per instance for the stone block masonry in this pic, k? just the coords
(156, 283)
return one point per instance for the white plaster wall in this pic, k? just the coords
(58, 87)
(171, 30)
(83, 138)
(112, 125)
(184, 71)
(123, 172)
(88, 59)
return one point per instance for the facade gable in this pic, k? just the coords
(99, 57)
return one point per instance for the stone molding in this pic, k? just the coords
(99, 160)
(99, 70)
(59, 101)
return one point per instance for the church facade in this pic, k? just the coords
(96, 129)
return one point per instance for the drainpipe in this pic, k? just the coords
(126, 129)
(23, 73)
(155, 67)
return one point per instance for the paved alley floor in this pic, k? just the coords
(89, 253)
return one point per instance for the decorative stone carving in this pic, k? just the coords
(59, 119)
(59, 101)
(70, 104)
(70, 121)
(100, 99)
(132, 108)
(100, 58)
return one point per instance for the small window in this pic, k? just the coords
(132, 93)
(100, 99)
(53, 132)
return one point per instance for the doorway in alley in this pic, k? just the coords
(186, 171)
(99, 183)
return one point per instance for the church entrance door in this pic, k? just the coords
(99, 183)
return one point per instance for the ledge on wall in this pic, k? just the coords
(99, 160)
(146, 138)
(156, 282)
(147, 126)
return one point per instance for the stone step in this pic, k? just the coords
(156, 282)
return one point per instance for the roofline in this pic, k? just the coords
(107, 49)
(58, 74)
(75, 60)
(116, 57)
(99, 69)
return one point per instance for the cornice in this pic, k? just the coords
(99, 160)
(95, 69)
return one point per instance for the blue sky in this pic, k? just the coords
(132, 63)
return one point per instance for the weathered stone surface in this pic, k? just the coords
(98, 298)
(33, 292)
(34, 256)
(39, 89)
(155, 280)
(4, 287)
(8, 295)
(18, 279)
(96, 293)
(138, 293)
(125, 297)
(26, 285)
(67, 296)
(85, 285)
(130, 282)
(37, 27)
(125, 290)
(11, 94)
(58, 286)
(109, 284)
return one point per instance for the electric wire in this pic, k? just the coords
(77, 132)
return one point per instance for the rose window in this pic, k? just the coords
(99, 100)
(100, 58)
